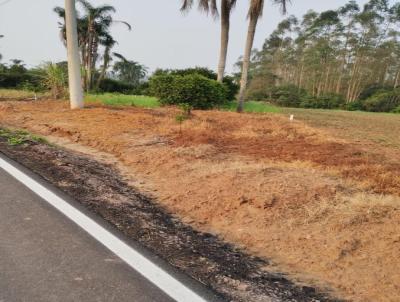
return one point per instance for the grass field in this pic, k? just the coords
(363, 127)
(253, 107)
(113, 99)
(20, 94)
(152, 102)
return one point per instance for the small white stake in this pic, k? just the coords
(291, 117)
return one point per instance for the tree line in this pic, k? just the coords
(336, 52)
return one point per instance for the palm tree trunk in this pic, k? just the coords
(225, 26)
(104, 68)
(246, 61)
(89, 58)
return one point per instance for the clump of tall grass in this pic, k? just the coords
(55, 79)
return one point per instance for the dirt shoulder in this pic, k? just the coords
(231, 273)
(324, 209)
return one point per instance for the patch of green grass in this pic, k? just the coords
(253, 107)
(21, 94)
(114, 99)
(19, 137)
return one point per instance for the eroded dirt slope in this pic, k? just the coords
(325, 209)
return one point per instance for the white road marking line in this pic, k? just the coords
(156, 275)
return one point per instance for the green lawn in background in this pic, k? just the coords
(123, 100)
(253, 107)
(152, 102)
(21, 94)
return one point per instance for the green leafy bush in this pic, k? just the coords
(328, 101)
(232, 87)
(195, 90)
(383, 101)
(287, 96)
(55, 79)
(110, 85)
(396, 110)
(373, 89)
(229, 81)
(16, 80)
(354, 106)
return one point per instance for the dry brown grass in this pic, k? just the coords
(323, 207)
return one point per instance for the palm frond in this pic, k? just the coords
(283, 5)
(119, 56)
(232, 3)
(186, 5)
(86, 5)
(125, 23)
(59, 11)
(256, 8)
(105, 9)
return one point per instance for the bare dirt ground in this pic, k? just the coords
(323, 206)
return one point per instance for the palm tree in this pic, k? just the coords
(255, 12)
(108, 43)
(127, 71)
(98, 21)
(93, 31)
(226, 10)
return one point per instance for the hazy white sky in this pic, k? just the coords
(161, 35)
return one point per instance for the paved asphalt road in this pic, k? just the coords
(46, 257)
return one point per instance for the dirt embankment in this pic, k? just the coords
(326, 210)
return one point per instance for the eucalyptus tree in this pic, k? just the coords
(93, 28)
(255, 12)
(340, 52)
(226, 8)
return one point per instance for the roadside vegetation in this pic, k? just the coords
(20, 137)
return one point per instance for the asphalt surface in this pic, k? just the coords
(46, 257)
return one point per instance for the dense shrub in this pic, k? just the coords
(232, 87)
(20, 80)
(396, 110)
(110, 85)
(195, 90)
(382, 101)
(55, 78)
(287, 96)
(142, 89)
(373, 89)
(328, 101)
(354, 106)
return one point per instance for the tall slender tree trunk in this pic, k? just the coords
(74, 66)
(253, 20)
(104, 68)
(396, 80)
(89, 58)
(225, 26)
